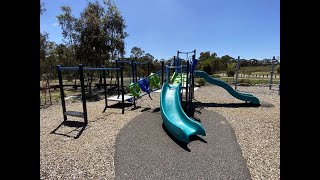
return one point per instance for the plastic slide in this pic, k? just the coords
(234, 93)
(174, 118)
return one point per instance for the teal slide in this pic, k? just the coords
(234, 93)
(174, 118)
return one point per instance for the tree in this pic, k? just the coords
(92, 39)
(149, 57)
(204, 56)
(114, 26)
(206, 66)
(231, 69)
(68, 24)
(225, 60)
(42, 8)
(136, 53)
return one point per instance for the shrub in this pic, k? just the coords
(215, 76)
(278, 69)
(244, 82)
(206, 66)
(231, 69)
(201, 82)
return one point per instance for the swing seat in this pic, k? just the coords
(134, 89)
(144, 85)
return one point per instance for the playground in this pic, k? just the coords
(164, 128)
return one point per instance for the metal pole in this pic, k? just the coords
(105, 90)
(162, 73)
(272, 69)
(148, 68)
(122, 89)
(63, 103)
(118, 86)
(84, 103)
(168, 74)
(237, 73)
(133, 78)
(136, 72)
(187, 85)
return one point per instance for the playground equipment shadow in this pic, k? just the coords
(183, 145)
(228, 105)
(74, 125)
(144, 149)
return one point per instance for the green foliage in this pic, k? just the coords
(136, 52)
(204, 56)
(215, 76)
(245, 81)
(201, 82)
(255, 69)
(206, 66)
(278, 69)
(231, 69)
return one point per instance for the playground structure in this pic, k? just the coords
(135, 86)
(174, 117)
(176, 88)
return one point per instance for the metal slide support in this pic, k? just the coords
(272, 69)
(61, 92)
(83, 94)
(237, 73)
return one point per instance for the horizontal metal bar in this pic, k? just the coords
(100, 69)
(186, 52)
(69, 68)
(174, 67)
(124, 61)
(141, 62)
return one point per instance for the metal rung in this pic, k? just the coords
(73, 113)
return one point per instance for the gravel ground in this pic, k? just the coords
(91, 155)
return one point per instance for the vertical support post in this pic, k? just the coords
(192, 77)
(187, 86)
(105, 90)
(168, 74)
(178, 54)
(122, 89)
(148, 68)
(133, 78)
(136, 72)
(237, 73)
(162, 72)
(83, 93)
(63, 103)
(272, 69)
(118, 86)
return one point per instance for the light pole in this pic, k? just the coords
(272, 69)
(237, 71)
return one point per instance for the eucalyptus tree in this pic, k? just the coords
(68, 25)
(114, 26)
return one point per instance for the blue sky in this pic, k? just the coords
(245, 28)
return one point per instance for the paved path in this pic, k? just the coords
(144, 150)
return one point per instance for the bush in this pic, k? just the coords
(201, 82)
(215, 76)
(231, 69)
(244, 82)
(206, 66)
(278, 69)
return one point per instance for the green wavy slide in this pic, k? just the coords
(174, 118)
(227, 87)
